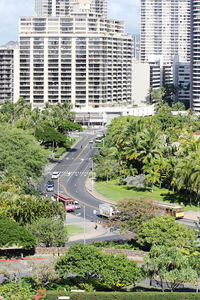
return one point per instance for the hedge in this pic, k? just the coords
(129, 296)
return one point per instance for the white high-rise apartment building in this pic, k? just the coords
(195, 55)
(82, 57)
(9, 73)
(165, 41)
(47, 8)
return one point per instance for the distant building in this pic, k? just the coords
(195, 55)
(71, 51)
(165, 36)
(9, 72)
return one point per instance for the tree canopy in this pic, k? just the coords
(12, 234)
(165, 231)
(88, 262)
(20, 153)
(169, 264)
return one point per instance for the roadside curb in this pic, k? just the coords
(19, 259)
(91, 190)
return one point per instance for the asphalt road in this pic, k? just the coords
(74, 170)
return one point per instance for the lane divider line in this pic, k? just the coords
(82, 202)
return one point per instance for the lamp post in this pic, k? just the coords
(84, 224)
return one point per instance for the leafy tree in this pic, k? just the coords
(120, 272)
(132, 213)
(47, 134)
(26, 208)
(89, 262)
(156, 95)
(49, 232)
(66, 125)
(170, 265)
(178, 106)
(163, 230)
(12, 234)
(20, 154)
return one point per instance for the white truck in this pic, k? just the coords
(106, 210)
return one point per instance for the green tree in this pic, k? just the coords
(49, 232)
(12, 234)
(178, 106)
(20, 153)
(164, 230)
(25, 208)
(89, 262)
(169, 264)
(133, 212)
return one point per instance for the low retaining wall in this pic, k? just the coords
(131, 254)
(52, 250)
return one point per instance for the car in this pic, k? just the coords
(77, 205)
(50, 188)
(55, 175)
(91, 142)
(50, 183)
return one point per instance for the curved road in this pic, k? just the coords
(75, 168)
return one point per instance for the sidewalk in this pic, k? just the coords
(90, 231)
(191, 215)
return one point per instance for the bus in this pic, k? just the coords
(69, 203)
(170, 209)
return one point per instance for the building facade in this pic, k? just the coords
(83, 57)
(195, 55)
(9, 75)
(165, 41)
(47, 8)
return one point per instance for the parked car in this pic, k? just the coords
(55, 175)
(77, 205)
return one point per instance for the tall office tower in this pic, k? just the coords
(47, 8)
(81, 57)
(9, 73)
(195, 55)
(165, 39)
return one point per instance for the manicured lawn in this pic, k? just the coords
(73, 230)
(116, 192)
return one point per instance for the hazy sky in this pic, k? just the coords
(11, 10)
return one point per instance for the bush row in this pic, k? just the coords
(130, 296)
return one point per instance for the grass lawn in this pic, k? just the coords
(115, 192)
(73, 230)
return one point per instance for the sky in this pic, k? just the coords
(10, 10)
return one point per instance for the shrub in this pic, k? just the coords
(16, 292)
(12, 234)
(134, 296)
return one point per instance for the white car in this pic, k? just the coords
(77, 205)
(55, 175)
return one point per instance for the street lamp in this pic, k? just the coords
(84, 224)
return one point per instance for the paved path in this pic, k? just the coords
(90, 231)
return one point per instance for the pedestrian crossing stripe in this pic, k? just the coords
(77, 173)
